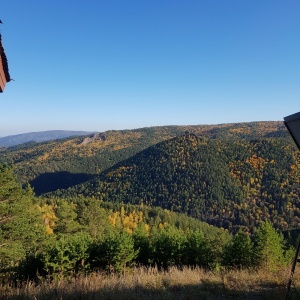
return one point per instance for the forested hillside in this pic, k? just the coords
(65, 236)
(63, 163)
(58, 237)
(229, 175)
(227, 183)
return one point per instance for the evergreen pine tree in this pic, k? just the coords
(268, 249)
(238, 252)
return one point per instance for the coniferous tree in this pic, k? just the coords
(21, 225)
(67, 255)
(238, 252)
(268, 247)
(169, 247)
(114, 252)
(197, 250)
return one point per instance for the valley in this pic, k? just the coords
(214, 197)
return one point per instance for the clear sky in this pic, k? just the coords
(119, 64)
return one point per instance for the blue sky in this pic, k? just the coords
(99, 65)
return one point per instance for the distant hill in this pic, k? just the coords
(42, 136)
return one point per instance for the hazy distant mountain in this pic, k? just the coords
(42, 136)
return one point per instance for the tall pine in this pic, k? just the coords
(21, 228)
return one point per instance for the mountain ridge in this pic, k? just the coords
(94, 153)
(38, 136)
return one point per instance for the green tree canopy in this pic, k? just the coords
(268, 246)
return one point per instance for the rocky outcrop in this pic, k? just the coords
(95, 137)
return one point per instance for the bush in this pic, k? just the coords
(114, 253)
(67, 255)
(238, 253)
(168, 247)
(198, 250)
(268, 247)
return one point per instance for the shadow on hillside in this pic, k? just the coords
(208, 291)
(49, 182)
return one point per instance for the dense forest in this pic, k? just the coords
(64, 237)
(228, 183)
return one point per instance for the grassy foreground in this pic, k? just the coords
(150, 283)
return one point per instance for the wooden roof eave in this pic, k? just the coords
(4, 65)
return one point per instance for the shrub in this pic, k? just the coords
(113, 253)
(268, 247)
(238, 252)
(169, 247)
(67, 255)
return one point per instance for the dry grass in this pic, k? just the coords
(144, 284)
